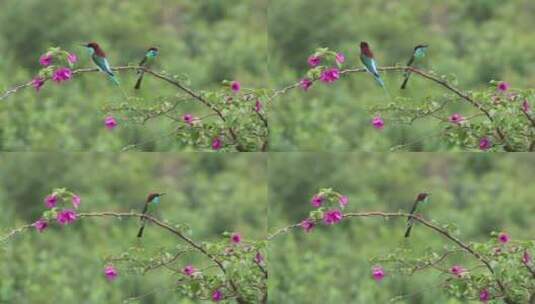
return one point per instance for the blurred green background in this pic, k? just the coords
(213, 193)
(471, 42)
(480, 193)
(203, 42)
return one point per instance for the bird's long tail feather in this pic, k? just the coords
(404, 84)
(408, 231)
(140, 233)
(139, 79)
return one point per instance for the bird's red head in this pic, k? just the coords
(422, 196)
(151, 196)
(153, 49)
(365, 49)
(96, 48)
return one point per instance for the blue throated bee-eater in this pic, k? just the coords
(421, 198)
(153, 200)
(366, 56)
(418, 53)
(147, 61)
(99, 58)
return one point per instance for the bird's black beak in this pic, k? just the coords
(163, 193)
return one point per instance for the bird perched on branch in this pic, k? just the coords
(99, 58)
(418, 53)
(366, 56)
(147, 61)
(420, 199)
(153, 200)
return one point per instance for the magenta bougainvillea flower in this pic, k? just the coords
(258, 106)
(110, 272)
(305, 84)
(457, 270)
(45, 60)
(340, 58)
(317, 200)
(51, 200)
(485, 143)
(76, 200)
(235, 238)
(40, 225)
(66, 216)
(526, 107)
(456, 118)
(61, 75)
(110, 122)
(314, 61)
(378, 123)
(526, 258)
(235, 86)
(258, 258)
(503, 238)
(330, 75)
(71, 58)
(189, 270)
(503, 86)
(307, 225)
(343, 200)
(378, 273)
(217, 295)
(37, 83)
(217, 143)
(333, 216)
(188, 118)
(484, 295)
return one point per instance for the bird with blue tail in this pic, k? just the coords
(99, 58)
(418, 53)
(368, 60)
(146, 62)
(152, 202)
(422, 198)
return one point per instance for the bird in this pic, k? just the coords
(418, 53)
(99, 58)
(147, 61)
(421, 198)
(153, 200)
(366, 56)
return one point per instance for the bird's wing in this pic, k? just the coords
(103, 64)
(411, 60)
(374, 68)
(414, 207)
(143, 61)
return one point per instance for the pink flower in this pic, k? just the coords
(258, 258)
(217, 295)
(378, 273)
(235, 86)
(378, 123)
(71, 58)
(189, 270)
(217, 143)
(61, 75)
(314, 61)
(235, 238)
(333, 216)
(110, 272)
(258, 106)
(330, 75)
(66, 216)
(51, 200)
(484, 295)
(457, 271)
(485, 143)
(503, 238)
(456, 118)
(37, 83)
(188, 118)
(340, 58)
(76, 200)
(526, 107)
(305, 84)
(526, 257)
(503, 86)
(110, 122)
(307, 225)
(45, 60)
(343, 200)
(317, 200)
(40, 225)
